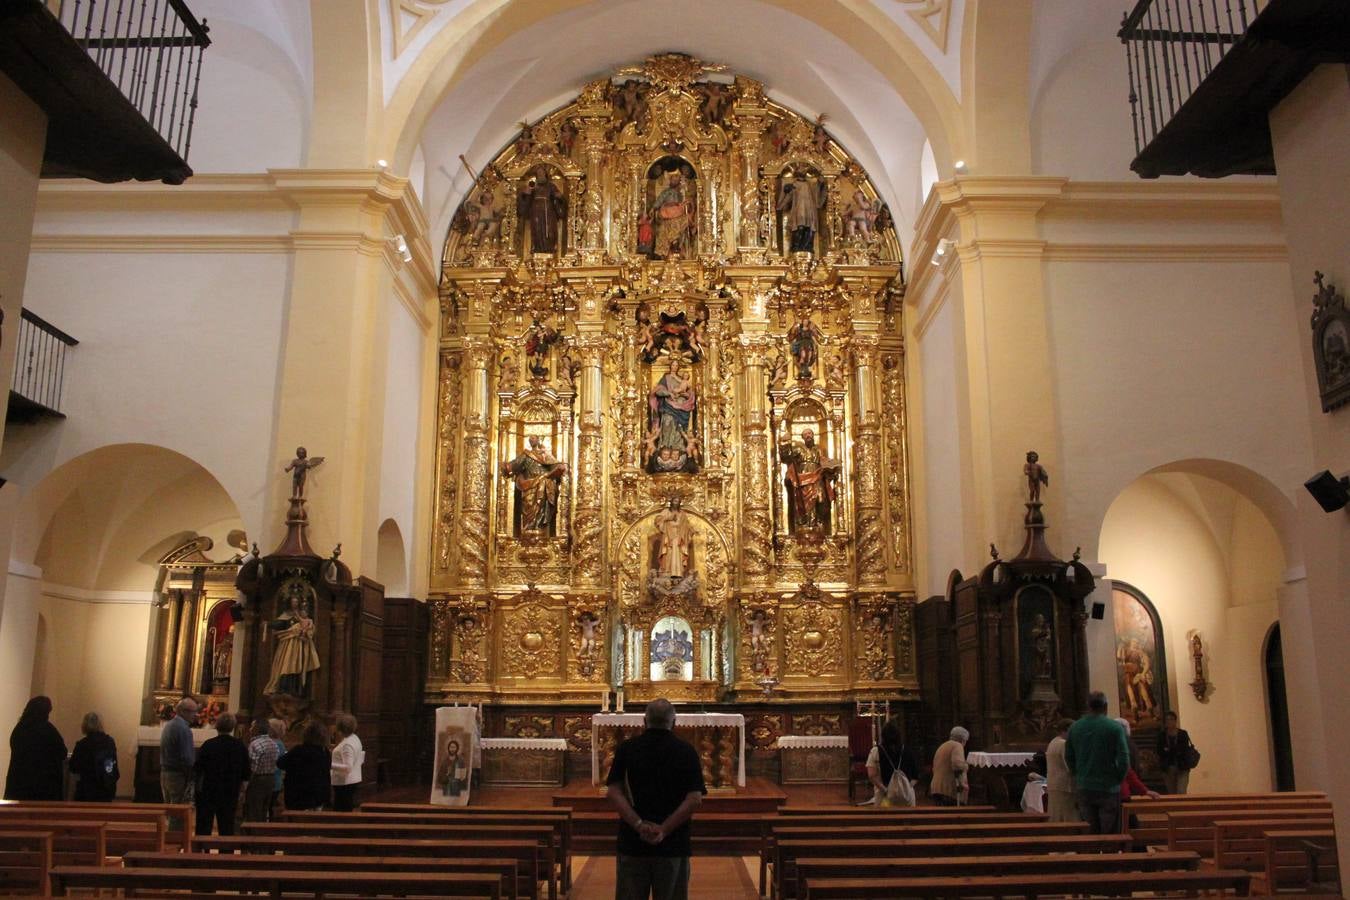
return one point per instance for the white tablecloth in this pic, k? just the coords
(148, 735)
(682, 720)
(804, 741)
(540, 743)
(982, 759)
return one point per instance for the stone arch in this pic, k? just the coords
(391, 559)
(485, 24)
(1208, 542)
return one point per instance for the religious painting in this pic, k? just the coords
(668, 225)
(1331, 344)
(672, 650)
(1141, 668)
(1036, 626)
(456, 742)
(671, 443)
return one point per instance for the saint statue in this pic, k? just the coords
(542, 207)
(674, 545)
(803, 341)
(671, 217)
(1041, 660)
(487, 219)
(221, 658)
(671, 443)
(800, 201)
(538, 341)
(810, 481)
(299, 469)
(294, 655)
(536, 475)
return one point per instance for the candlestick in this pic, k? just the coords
(618, 703)
(604, 701)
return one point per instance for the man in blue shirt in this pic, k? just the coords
(656, 783)
(176, 753)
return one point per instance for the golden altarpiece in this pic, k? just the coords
(671, 424)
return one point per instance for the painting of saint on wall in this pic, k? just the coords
(1141, 671)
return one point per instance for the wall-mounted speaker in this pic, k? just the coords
(1099, 610)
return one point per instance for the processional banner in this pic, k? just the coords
(456, 750)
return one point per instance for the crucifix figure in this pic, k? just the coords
(299, 469)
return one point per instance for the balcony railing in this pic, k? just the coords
(1204, 75)
(39, 369)
(151, 49)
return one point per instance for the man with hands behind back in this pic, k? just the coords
(656, 783)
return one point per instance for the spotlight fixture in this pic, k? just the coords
(401, 247)
(943, 246)
(1330, 492)
(960, 167)
(382, 163)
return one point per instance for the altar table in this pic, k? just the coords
(998, 760)
(710, 733)
(812, 759)
(523, 761)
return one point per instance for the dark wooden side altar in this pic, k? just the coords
(1004, 653)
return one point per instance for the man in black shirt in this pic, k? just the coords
(656, 783)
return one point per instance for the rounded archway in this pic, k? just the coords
(88, 540)
(1203, 540)
(391, 560)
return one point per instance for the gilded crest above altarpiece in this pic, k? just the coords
(648, 299)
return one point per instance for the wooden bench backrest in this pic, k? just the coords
(1150, 822)
(847, 821)
(1204, 798)
(465, 810)
(784, 811)
(1241, 843)
(1287, 858)
(1087, 883)
(119, 878)
(888, 829)
(73, 843)
(25, 860)
(127, 829)
(1196, 831)
(181, 816)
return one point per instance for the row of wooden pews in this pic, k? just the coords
(851, 853)
(383, 849)
(1286, 840)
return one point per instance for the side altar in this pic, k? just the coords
(671, 444)
(719, 739)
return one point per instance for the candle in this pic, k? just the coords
(604, 701)
(618, 703)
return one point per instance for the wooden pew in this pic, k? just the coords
(560, 819)
(433, 867)
(1251, 795)
(787, 850)
(1242, 843)
(526, 853)
(1031, 885)
(25, 861)
(812, 869)
(128, 829)
(1150, 817)
(1288, 861)
(181, 824)
(235, 880)
(786, 811)
(78, 843)
(1196, 831)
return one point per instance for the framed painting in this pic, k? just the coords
(1141, 660)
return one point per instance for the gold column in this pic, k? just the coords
(449, 404)
(751, 113)
(183, 652)
(477, 479)
(168, 629)
(438, 656)
(588, 522)
(756, 520)
(867, 497)
(594, 122)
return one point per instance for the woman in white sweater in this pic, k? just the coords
(348, 757)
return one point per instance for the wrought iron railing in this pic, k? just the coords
(40, 361)
(1170, 48)
(151, 49)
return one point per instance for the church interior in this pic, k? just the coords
(807, 363)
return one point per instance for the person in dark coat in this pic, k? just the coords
(94, 762)
(307, 766)
(37, 756)
(221, 769)
(1174, 755)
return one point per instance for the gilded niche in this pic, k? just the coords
(671, 403)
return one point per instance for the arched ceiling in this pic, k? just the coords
(543, 66)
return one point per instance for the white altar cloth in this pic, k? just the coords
(979, 758)
(682, 720)
(539, 743)
(813, 742)
(148, 735)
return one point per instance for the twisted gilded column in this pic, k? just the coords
(756, 518)
(588, 520)
(867, 477)
(477, 479)
(751, 116)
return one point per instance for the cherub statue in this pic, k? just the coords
(859, 216)
(299, 469)
(587, 622)
(1036, 475)
(819, 136)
